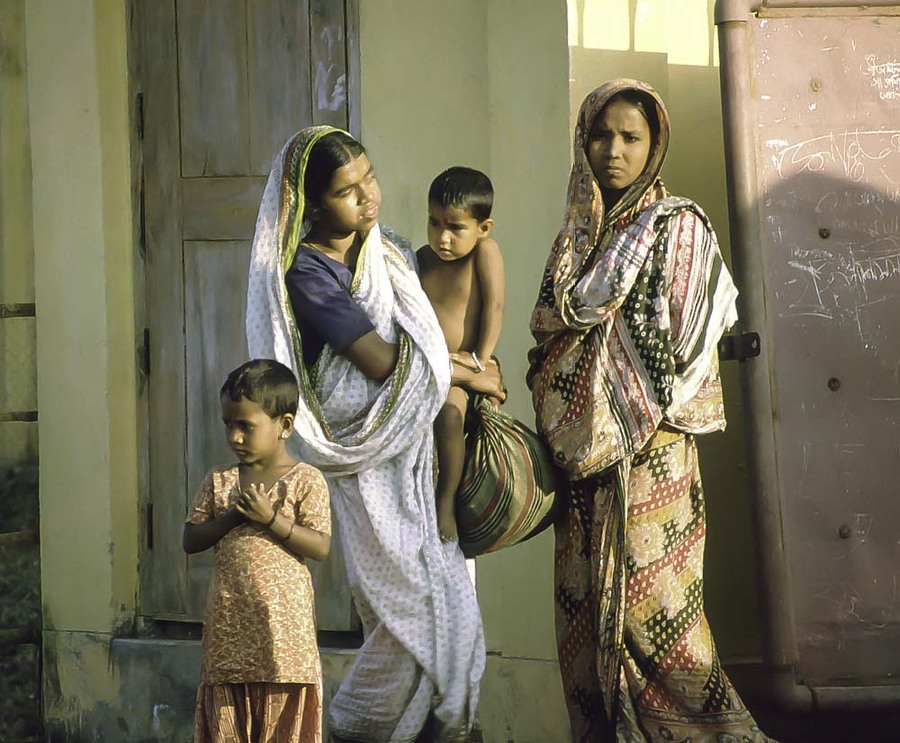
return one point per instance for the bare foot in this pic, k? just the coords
(446, 519)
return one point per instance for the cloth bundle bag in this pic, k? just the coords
(509, 490)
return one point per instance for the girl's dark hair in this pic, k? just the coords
(268, 383)
(646, 104)
(463, 188)
(330, 152)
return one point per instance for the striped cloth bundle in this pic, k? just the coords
(509, 490)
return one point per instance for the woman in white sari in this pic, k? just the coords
(336, 300)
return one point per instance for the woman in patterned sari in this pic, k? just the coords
(335, 299)
(633, 301)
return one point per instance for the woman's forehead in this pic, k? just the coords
(351, 173)
(620, 114)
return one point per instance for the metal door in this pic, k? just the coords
(811, 97)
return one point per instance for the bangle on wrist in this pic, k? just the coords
(287, 536)
(271, 520)
(478, 364)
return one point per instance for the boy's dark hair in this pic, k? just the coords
(268, 383)
(330, 152)
(463, 188)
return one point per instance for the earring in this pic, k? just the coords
(284, 434)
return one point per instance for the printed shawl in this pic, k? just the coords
(374, 444)
(613, 283)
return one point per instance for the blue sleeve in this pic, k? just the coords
(322, 304)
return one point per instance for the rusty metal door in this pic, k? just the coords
(811, 97)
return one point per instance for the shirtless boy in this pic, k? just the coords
(461, 270)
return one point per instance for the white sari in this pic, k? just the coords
(424, 645)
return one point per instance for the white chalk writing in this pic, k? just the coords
(885, 77)
(848, 154)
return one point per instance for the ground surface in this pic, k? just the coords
(20, 607)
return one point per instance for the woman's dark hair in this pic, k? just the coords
(643, 102)
(463, 188)
(268, 383)
(330, 152)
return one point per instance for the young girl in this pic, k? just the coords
(333, 297)
(260, 675)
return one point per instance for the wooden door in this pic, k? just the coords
(223, 84)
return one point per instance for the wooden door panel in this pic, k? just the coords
(220, 208)
(278, 61)
(328, 52)
(212, 70)
(216, 293)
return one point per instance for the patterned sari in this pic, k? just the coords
(645, 285)
(423, 654)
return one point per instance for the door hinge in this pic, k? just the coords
(739, 347)
(143, 361)
(142, 221)
(139, 114)
(149, 526)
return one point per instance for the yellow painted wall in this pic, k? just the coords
(83, 267)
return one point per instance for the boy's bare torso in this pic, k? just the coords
(455, 294)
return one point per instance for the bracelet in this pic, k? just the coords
(287, 537)
(478, 364)
(271, 520)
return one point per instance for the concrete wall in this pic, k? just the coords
(483, 84)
